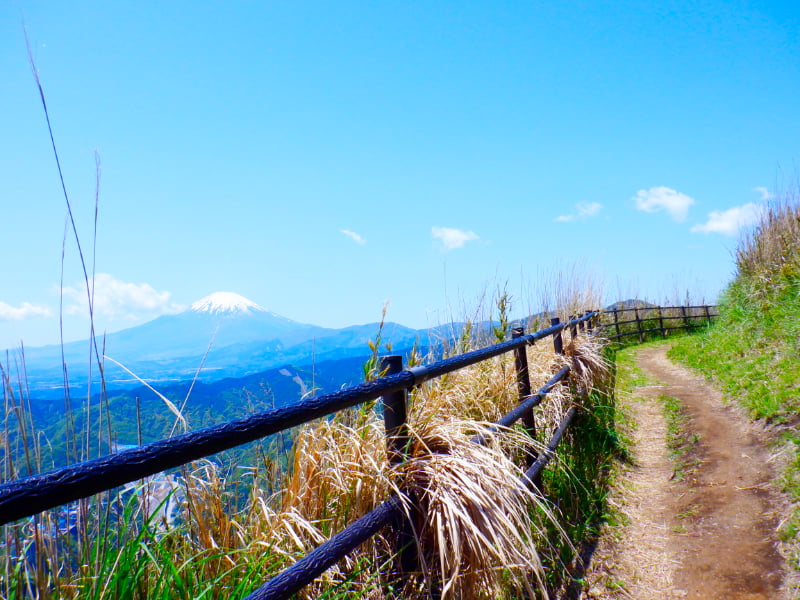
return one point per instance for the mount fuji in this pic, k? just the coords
(219, 320)
(225, 333)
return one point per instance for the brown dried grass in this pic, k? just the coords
(477, 535)
(471, 510)
(477, 523)
(769, 254)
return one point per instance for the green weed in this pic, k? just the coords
(680, 440)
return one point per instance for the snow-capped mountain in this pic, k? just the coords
(218, 320)
(226, 303)
(230, 335)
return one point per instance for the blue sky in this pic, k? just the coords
(321, 158)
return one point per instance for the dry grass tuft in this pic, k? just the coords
(338, 466)
(483, 392)
(471, 514)
(587, 364)
(339, 473)
(769, 255)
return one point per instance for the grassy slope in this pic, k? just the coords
(753, 352)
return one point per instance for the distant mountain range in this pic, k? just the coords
(228, 336)
(252, 359)
(235, 335)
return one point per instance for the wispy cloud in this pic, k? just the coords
(25, 311)
(584, 210)
(452, 238)
(663, 198)
(353, 236)
(763, 193)
(117, 299)
(729, 222)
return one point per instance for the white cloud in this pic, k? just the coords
(25, 311)
(729, 222)
(663, 198)
(585, 211)
(353, 236)
(452, 238)
(764, 193)
(115, 299)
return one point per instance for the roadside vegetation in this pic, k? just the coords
(753, 350)
(219, 529)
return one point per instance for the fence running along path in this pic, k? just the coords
(31, 495)
(656, 319)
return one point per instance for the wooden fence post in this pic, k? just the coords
(397, 439)
(524, 389)
(573, 329)
(558, 341)
(558, 346)
(616, 322)
(685, 320)
(582, 324)
(394, 413)
(661, 322)
(638, 324)
(708, 316)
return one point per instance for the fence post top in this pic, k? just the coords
(393, 362)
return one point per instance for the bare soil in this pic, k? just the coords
(710, 535)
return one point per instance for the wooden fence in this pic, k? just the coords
(648, 321)
(28, 496)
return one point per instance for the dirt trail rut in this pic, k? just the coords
(713, 534)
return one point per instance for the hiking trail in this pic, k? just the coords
(711, 534)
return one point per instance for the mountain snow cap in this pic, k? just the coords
(225, 302)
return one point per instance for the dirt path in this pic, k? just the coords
(711, 535)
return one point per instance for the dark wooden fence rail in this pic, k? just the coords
(36, 493)
(640, 321)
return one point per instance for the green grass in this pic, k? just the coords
(680, 439)
(580, 483)
(629, 375)
(753, 352)
(589, 464)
